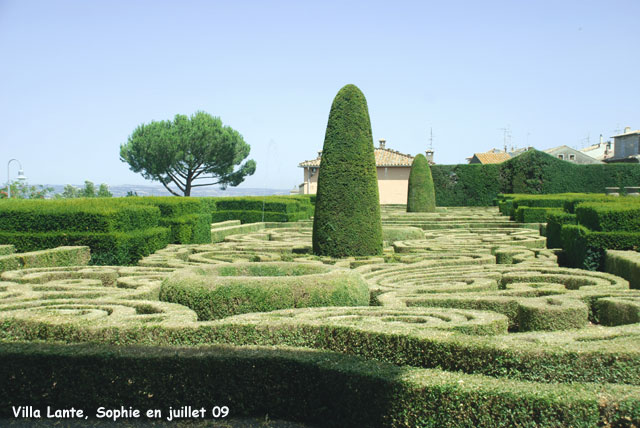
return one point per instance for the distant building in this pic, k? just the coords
(393, 174)
(626, 146)
(568, 154)
(601, 151)
(517, 152)
(492, 156)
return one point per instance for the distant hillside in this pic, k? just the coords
(159, 190)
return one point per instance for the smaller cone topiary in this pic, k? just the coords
(421, 196)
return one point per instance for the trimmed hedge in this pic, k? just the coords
(318, 388)
(625, 264)
(221, 291)
(401, 233)
(585, 249)
(189, 229)
(258, 216)
(420, 196)
(77, 215)
(347, 215)
(104, 225)
(533, 172)
(609, 217)
(188, 218)
(251, 209)
(527, 214)
(114, 248)
(555, 221)
(7, 249)
(219, 231)
(61, 256)
(466, 185)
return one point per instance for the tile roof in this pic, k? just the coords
(492, 157)
(384, 157)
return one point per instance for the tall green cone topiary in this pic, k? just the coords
(347, 215)
(421, 196)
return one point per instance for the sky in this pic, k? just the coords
(77, 77)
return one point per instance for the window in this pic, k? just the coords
(561, 157)
(572, 157)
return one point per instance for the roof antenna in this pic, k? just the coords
(431, 139)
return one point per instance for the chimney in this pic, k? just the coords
(627, 129)
(382, 143)
(601, 139)
(429, 154)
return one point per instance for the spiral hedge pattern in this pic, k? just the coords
(472, 325)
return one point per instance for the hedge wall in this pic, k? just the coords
(532, 172)
(251, 209)
(61, 256)
(319, 388)
(113, 248)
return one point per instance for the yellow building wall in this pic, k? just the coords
(393, 184)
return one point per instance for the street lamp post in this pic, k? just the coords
(21, 176)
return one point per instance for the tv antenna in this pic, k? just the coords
(506, 136)
(431, 139)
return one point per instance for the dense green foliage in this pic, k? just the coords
(466, 185)
(534, 214)
(61, 256)
(609, 217)
(555, 221)
(421, 196)
(401, 233)
(347, 214)
(222, 291)
(319, 388)
(188, 149)
(118, 231)
(110, 248)
(532, 172)
(251, 209)
(79, 215)
(583, 225)
(89, 191)
(625, 264)
(472, 325)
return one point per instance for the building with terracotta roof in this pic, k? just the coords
(393, 170)
(492, 156)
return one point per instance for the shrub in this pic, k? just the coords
(347, 215)
(220, 291)
(75, 215)
(61, 256)
(586, 249)
(555, 221)
(609, 217)
(251, 209)
(533, 172)
(625, 264)
(401, 233)
(421, 196)
(534, 214)
(113, 248)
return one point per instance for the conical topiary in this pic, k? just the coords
(347, 215)
(421, 196)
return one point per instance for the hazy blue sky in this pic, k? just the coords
(77, 77)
